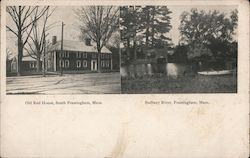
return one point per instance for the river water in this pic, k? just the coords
(172, 69)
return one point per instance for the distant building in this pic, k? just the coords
(77, 56)
(29, 64)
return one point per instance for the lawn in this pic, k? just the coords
(184, 84)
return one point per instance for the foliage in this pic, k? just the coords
(198, 51)
(143, 28)
(179, 55)
(213, 30)
(154, 23)
(206, 26)
(129, 24)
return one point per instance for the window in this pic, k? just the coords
(78, 54)
(78, 63)
(84, 55)
(63, 63)
(102, 63)
(107, 56)
(107, 63)
(84, 63)
(67, 54)
(93, 55)
(60, 54)
(66, 63)
(60, 63)
(102, 55)
(32, 64)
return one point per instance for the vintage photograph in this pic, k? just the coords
(62, 50)
(124, 79)
(126, 49)
(179, 49)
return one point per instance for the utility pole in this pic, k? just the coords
(44, 51)
(60, 63)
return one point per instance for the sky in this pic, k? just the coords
(71, 31)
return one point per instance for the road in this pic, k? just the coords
(92, 83)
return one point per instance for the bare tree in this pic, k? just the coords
(36, 45)
(98, 23)
(21, 16)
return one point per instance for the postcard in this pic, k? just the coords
(111, 79)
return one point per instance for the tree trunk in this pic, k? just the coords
(20, 55)
(135, 57)
(147, 35)
(147, 29)
(135, 71)
(128, 46)
(135, 53)
(153, 28)
(128, 57)
(38, 62)
(99, 60)
(146, 69)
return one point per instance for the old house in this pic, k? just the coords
(77, 56)
(29, 65)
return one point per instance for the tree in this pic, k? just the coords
(36, 45)
(21, 16)
(143, 28)
(212, 29)
(145, 25)
(155, 23)
(129, 26)
(179, 55)
(198, 51)
(98, 23)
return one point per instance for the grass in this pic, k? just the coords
(184, 84)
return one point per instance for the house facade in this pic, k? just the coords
(29, 64)
(77, 56)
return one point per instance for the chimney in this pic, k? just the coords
(54, 40)
(87, 41)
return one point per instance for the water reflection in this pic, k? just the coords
(172, 69)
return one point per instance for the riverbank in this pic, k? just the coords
(184, 84)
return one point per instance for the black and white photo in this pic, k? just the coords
(62, 50)
(179, 49)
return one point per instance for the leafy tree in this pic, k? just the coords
(155, 23)
(144, 28)
(99, 23)
(179, 55)
(198, 51)
(212, 29)
(24, 24)
(129, 26)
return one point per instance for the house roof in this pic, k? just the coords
(29, 58)
(69, 45)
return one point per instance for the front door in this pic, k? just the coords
(93, 65)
